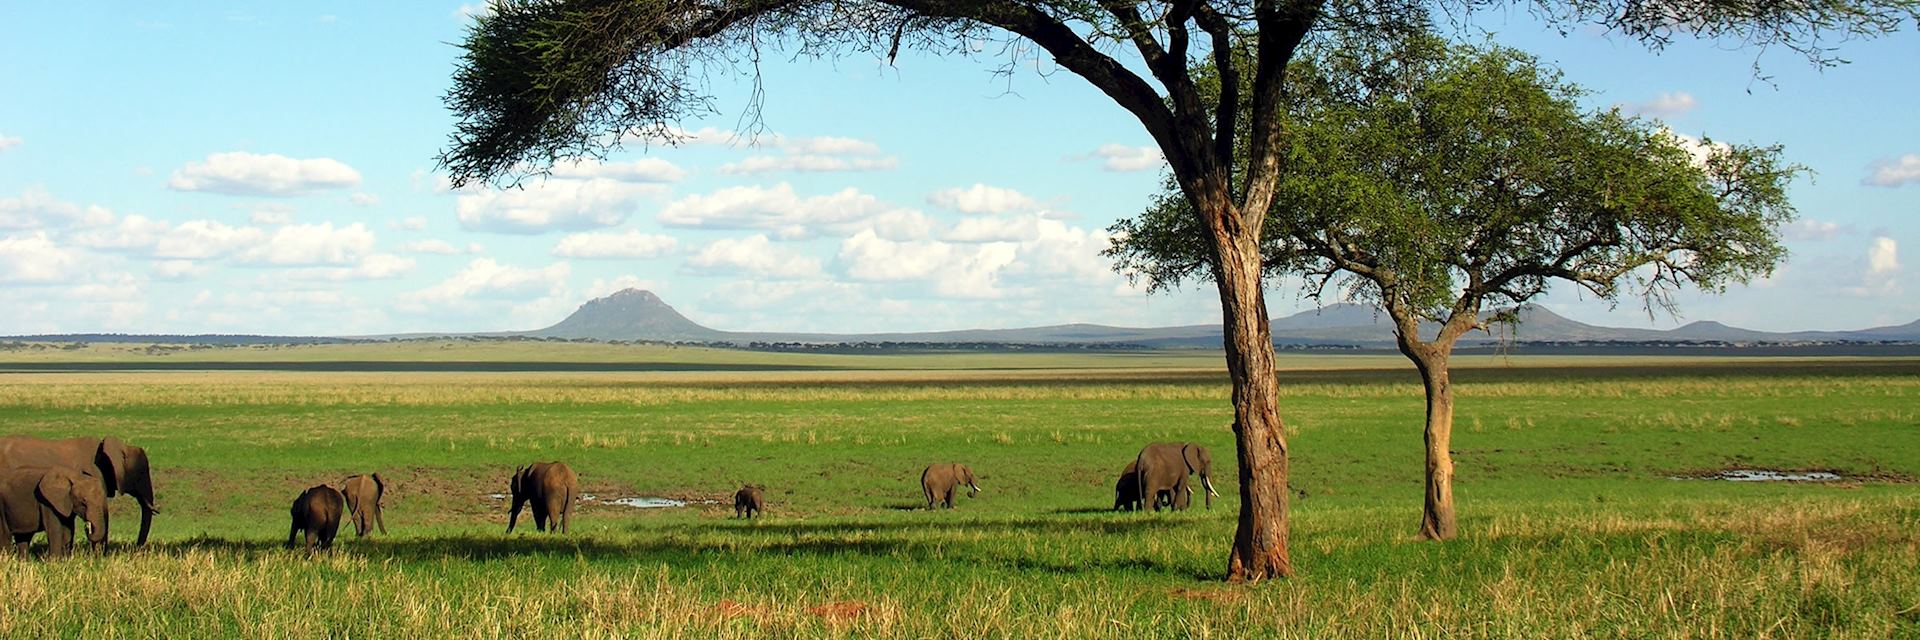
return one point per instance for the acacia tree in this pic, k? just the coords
(1441, 182)
(546, 80)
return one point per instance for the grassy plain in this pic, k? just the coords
(1572, 523)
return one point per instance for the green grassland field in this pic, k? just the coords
(1582, 514)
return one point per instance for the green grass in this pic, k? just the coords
(1571, 525)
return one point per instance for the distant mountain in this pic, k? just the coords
(640, 315)
(628, 314)
(634, 314)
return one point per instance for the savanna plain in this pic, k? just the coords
(1585, 508)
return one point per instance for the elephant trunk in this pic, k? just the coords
(1208, 483)
(97, 527)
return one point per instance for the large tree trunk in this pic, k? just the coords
(1436, 515)
(1260, 543)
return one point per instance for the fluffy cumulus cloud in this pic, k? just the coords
(982, 199)
(35, 259)
(35, 208)
(785, 154)
(1123, 158)
(254, 174)
(553, 205)
(626, 244)
(432, 246)
(644, 170)
(1700, 148)
(1665, 105)
(788, 215)
(312, 244)
(1883, 256)
(414, 223)
(954, 270)
(377, 266)
(807, 163)
(179, 270)
(754, 256)
(1890, 172)
(1810, 229)
(485, 279)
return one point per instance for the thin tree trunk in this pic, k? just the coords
(1436, 516)
(1260, 543)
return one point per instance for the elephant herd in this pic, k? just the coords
(45, 485)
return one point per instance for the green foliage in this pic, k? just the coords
(1434, 176)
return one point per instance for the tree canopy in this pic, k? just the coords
(1436, 177)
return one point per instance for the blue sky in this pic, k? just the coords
(221, 167)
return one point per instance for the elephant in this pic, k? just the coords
(364, 495)
(118, 466)
(316, 512)
(749, 501)
(1126, 490)
(550, 486)
(1165, 466)
(35, 499)
(941, 481)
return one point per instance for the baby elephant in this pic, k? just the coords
(35, 499)
(551, 487)
(940, 483)
(364, 496)
(749, 501)
(316, 512)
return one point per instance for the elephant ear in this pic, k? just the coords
(115, 453)
(379, 489)
(56, 490)
(1195, 457)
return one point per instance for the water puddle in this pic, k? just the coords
(1765, 475)
(636, 502)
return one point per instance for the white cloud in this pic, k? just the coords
(474, 10)
(484, 279)
(35, 208)
(271, 213)
(959, 271)
(829, 145)
(313, 244)
(437, 247)
(9, 142)
(752, 256)
(414, 223)
(1810, 229)
(1891, 172)
(35, 259)
(1120, 157)
(776, 209)
(1883, 256)
(627, 244)
(378, 266)
(981, 198)
(644, 170)
(807, 163)
(179, 270)
(563, 205)
(364, 199)
(1666, 105)
(602, 286)
(253, 174)
(994, 229)
(1700, 149)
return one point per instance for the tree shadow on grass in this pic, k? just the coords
(675, 545)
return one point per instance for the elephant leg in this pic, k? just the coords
(566, 513)
(292, 533)
(313, 538)
(379, 519)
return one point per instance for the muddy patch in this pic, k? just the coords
(632, 502)
(1755, 474)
